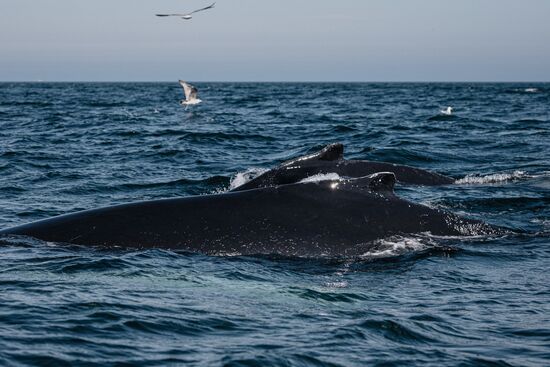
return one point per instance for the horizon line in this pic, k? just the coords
(284, 81)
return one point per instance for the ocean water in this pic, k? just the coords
(416, 300)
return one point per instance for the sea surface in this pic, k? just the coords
(413, 301)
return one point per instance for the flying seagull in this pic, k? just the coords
(190, 94)
(186, 16)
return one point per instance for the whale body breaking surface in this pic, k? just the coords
(325, 218)
(330, 160)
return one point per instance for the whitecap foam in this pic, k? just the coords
(398, 245)
(340, 284)
(491, 179)
(226, 254)
(524, 90)
(543, 222)
(243, 177)
(321, 177)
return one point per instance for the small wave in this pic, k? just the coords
(220, 136)
(402, 155)
(343, 129)
(93, 265)
(492, 178)
(196, 186)
(12, 189)
(105, 104)
(533, 121)
(243, 177)
(442, 118)
(395, 331)
(544, 226)
(27, 103)
(326, 295)
(21, 241)
(521, 203)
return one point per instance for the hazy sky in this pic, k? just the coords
(283, 40)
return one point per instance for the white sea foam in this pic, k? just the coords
(543, 222)
(525, 90)
(128, 112)
(398, 245)
(227, 254)
(243, 177)
(491, 179)
(321, 177)
(340, 284)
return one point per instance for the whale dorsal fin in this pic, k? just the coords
(332, 152)
(380, 181)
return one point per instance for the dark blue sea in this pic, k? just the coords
(415, 301)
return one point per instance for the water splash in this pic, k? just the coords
(243, 177)
(398, 245)
(492, 178)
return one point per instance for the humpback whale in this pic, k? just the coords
(326, 218)
(331, 160)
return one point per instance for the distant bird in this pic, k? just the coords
(448, 111)
(190, 94)
(186, 16)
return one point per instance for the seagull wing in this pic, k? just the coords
(170, 15)
(189, 90)
(208, 7)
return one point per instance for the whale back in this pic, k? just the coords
(382, 181)
(378, 183)
(325, 218)
(330, 159)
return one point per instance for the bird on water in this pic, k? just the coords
(448, 111)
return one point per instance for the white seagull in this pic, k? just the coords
(186, 16)
(190, 94)
(448, 111)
